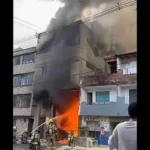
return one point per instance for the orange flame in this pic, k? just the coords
(68, 119)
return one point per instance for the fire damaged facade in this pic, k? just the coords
(62, 56)
(23, 72)
(105, 97)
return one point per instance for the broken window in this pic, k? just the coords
(113, 67)
(21, 101)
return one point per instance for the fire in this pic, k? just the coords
(68, 113)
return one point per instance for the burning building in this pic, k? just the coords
(62, 55)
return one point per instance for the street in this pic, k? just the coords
(26, 147)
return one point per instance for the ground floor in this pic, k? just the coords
(101, 127)
(22, 123)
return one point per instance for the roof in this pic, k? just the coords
(127, 55)
(109, 57)
(124, 55)
(76, 22)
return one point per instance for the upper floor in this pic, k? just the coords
(24, 60)
(64, 54)
(108, 100)
(119, 69)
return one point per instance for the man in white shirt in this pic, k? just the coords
(124, 136)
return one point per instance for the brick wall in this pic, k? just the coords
(114, 78)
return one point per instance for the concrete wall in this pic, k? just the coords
(22, 90)
(22, 113)
(101, 122)
(21, 124)
(82, 52)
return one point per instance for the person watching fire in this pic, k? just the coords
(51, 133)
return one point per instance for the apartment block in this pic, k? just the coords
(23, 73)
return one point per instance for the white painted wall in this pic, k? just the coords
(125, 91)
(112, 90)
(83, 95)
(118, 63)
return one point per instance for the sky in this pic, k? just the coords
(37, 12)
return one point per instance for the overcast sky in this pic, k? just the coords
(37, 12)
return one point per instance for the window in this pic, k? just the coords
(28, 58)
(102, 97)
(21, 80)
(27, 79)
(21, 101)
(16, 80)
(113, 67)
(130, 68)
(16, 60)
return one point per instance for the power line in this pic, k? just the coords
(111, 10)
(105, 12)
(24, 39)
(28, 23)
(25, 26)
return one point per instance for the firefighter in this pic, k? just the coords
(35, 138)
(71, 138)
(51, 133)
(14, 134)
(25, 136)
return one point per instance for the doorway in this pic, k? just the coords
(42, 120)
(30, 125)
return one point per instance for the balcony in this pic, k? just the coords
(109, 79)
(118, 108)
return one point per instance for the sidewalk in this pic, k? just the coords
(83, 148)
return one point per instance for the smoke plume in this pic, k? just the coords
(111, 34)
(117, 28)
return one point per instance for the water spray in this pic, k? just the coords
(39, 126)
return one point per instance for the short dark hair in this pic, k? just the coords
(132, 110)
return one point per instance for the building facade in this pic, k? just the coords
(105, 98)
(23, 73)
(62, 55)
